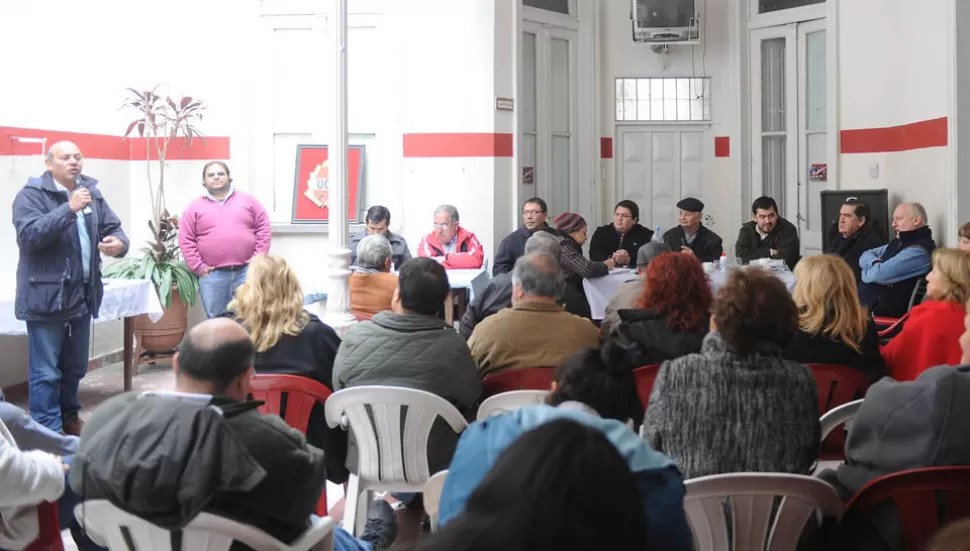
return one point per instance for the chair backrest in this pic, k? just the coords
(432, 495)
(392, 447)
(837, 385)
(49, 533)
(751, 502)
(915, 495)
(300, 394)
(526, 378)
(206, 532)
(645, 376)
(510, 401)
(839, 416)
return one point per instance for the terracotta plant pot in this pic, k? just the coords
(164, 335)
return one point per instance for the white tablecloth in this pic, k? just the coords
(599, 291)
(122, 298)
(474, 280)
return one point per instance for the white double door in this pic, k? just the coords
(790, 134)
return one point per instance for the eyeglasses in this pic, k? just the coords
(441, 226)
(532, 212)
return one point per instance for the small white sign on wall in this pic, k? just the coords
(505, 104)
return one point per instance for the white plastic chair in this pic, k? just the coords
(752, 497)
(206, 532)
(432, 495)
(510, 401)
(389, 459)
(839, 416)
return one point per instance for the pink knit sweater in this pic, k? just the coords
(223, 234)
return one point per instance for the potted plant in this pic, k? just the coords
(159, 120)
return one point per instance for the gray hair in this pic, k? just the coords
(539, 275)
(451, 211)
(919, 210)
(544, 242)
(373, 252)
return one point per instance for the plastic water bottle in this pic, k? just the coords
(723, 264)
(658, 236)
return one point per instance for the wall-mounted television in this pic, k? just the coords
(665, 21)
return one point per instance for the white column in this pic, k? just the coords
(338, 292)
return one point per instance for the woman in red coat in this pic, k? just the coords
(931, 334)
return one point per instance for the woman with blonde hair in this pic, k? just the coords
(291, 341)
(931, 333)
(833, 326)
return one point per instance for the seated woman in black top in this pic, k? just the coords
(834, 328)
(291, 341)
(672, 316)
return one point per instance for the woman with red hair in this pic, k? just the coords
(672, 316)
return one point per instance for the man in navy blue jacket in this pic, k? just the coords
(62, 221)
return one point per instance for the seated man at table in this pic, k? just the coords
(690, 236)
(372, 284)
(535, 332)
(378, 219)
(449, 244)
(413, 347)
(498, 293)
(620, 240)
(890, 273)
(768, 235)
(534, 213)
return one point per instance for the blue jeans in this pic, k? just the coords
(57, 355)
(216, 289)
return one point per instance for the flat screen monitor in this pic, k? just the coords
(664, 14)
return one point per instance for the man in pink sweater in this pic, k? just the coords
(219, 233)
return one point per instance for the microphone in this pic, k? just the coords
(77, 182)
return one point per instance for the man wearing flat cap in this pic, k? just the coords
(691, 237)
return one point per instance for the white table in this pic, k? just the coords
(123, 300)
(600, 290)
(472, 281)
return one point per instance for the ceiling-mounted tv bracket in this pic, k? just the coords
(663, 49)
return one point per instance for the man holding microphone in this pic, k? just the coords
(62, 221)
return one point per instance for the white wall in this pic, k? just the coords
(894, 69)
(714, 57)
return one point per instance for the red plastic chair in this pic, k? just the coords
(362, 317)
(526, 378)
(645, 377)
(914, 493)
(888, 327)
(50, 529)
(301, 395)
(837, 385)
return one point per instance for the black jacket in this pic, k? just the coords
(820, 349)
(511, 248)
(497, 295)
(851, 248)
(165, 460)
(606, 241)
(648, 340)
(707, 245)
(784, 239)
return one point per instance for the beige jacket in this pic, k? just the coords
(529, 334)
(27, 479)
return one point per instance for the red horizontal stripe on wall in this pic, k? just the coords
(458, 145)
(722, 146)
(20, 141)
(606, 148)
(918, 135)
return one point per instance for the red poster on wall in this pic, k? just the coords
(311, 185)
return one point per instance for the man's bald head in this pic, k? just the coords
(909, 217)
(64, 161)
(216, 354)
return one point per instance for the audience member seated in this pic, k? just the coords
(536, 331)
(372, 284)
(931, 333)
(449, 244)
(576, 267)
(498, 292)
(164, 457)
(592, 388)
(672, 314)
(854, 234)
(891, 272)
(34, 460)
(833, 328)
(964, 243)
(620, 240)
(413, 347)
(291, 341)
(534, 213)
(561, 486)
(628, 293)
(747, 408)
(768, 235)
(378, 220)
(690, 236)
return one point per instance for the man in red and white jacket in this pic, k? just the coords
(450, 244)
